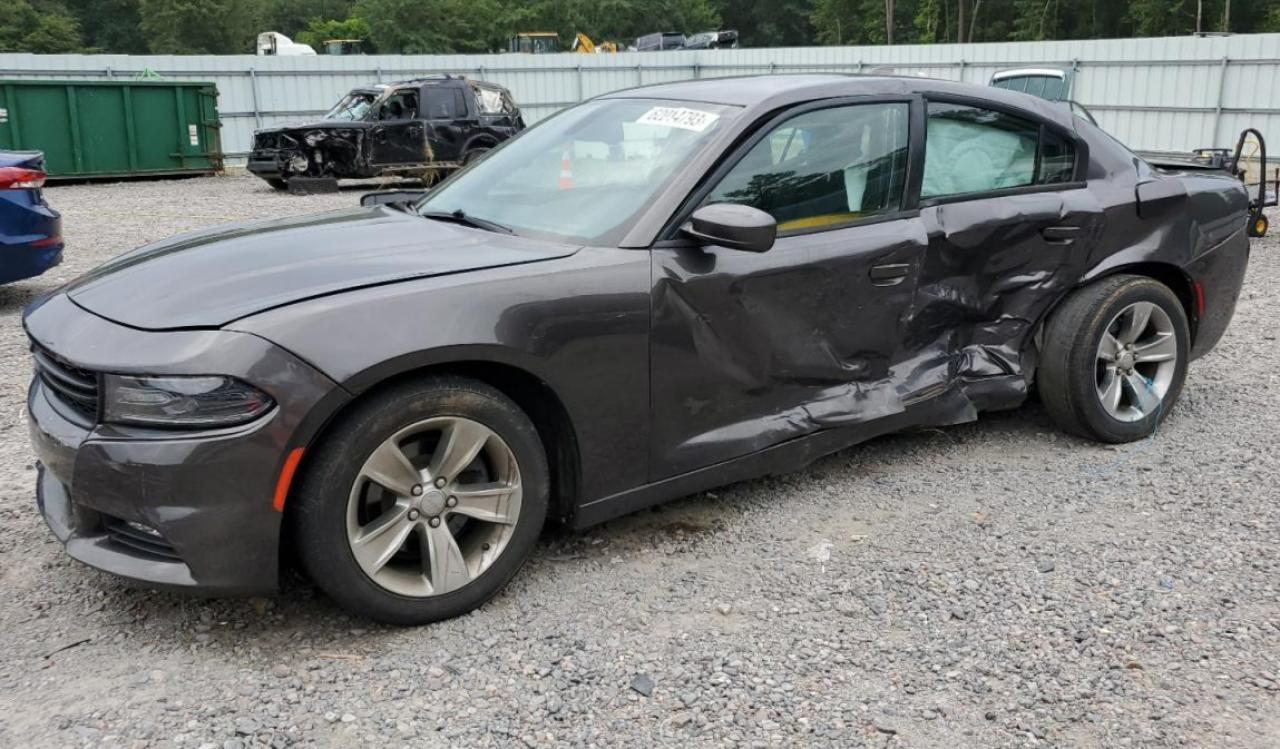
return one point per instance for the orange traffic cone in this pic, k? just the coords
(566, 169)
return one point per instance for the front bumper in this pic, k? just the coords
(172, 509)
(265, 164)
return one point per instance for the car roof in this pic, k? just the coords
(769, 92)
(440, 78)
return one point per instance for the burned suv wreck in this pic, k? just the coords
(419, 128)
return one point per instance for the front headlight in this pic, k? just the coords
(181, 401)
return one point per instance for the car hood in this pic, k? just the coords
(319, 125)
(211, 277)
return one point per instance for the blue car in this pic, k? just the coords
(30, 231)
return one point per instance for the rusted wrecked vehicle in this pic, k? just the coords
(421, 128)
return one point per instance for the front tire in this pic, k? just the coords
(1114, 359)
(422, 503)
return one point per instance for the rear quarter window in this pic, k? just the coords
(1057, 159)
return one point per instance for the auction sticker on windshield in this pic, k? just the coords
(681, 117)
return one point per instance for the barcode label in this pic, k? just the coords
(681, 117)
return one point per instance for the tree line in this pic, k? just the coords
(455, 26)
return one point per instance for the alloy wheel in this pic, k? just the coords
(434, 506)
(1136, 361)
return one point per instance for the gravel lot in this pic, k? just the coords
(996, 584)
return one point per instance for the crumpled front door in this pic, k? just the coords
(750, 350)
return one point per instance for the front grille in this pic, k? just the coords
(135, 538)
(76, 388)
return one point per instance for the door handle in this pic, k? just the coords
(1060, 234)
(890, 274)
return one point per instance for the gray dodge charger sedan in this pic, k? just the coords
(652, 293)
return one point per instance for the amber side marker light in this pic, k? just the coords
(286, 478)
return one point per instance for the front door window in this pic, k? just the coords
(825, 167)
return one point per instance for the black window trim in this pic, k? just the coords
(1079, 169)
(459, 105)
(670, 237)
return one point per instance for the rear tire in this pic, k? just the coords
(474, 154)
(1114, 359)
(438, 523)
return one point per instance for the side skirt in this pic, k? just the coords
(957, 404)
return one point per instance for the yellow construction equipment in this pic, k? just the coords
(534, 42)
(583, 44)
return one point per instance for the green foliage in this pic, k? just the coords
(849, 21)
(768, 23)
(420, 27)
(613, 20)
(195, 27)
(1162, 17)
(40, 27)
(110, 25)
(456, 26)
(294, 17)
(319, 31)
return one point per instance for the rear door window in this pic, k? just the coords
(444, 103)
(824, 168)
(974, 150)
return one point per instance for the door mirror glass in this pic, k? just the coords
(738, 227)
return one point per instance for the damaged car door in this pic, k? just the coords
(753, 349)
(399, 137)
(1011, 224)
(448, 122)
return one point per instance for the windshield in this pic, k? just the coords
(354, 106)
(584, 175)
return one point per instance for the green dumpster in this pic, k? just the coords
(113, 128)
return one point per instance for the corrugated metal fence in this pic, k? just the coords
(1165, 94)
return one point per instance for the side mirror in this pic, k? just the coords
(392, 197)
(738, 227)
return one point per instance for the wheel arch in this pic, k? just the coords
(479, 140)
(1172, 276)
(531, 393)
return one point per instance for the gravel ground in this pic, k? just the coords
(995, 584)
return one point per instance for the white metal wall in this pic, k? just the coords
(1163, 94)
